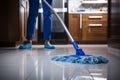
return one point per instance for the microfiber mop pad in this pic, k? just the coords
(81, 59)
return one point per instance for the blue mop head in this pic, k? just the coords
(86, 59)
(80, 57)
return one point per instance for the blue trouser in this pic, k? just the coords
(31, 22)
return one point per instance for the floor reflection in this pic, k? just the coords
(114, 64)
(36, 64)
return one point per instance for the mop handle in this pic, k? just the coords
(64, 26)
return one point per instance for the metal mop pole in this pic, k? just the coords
(64, 26)
(78, 50)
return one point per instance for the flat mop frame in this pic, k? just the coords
(79, 51)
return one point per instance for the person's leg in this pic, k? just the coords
(31, 22)
(47, 24)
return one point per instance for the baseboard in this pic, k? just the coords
(7, 44)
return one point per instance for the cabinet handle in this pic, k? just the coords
(80, 21)
(95, 25)
(95, 17)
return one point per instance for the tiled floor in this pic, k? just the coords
(35, 64)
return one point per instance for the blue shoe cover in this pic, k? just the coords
(25, 46)
(49, 46)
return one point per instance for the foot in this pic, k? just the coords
(49, 46)
(26, 45)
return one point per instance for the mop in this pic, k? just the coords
(80, 57)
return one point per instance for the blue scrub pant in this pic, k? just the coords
(31, 22)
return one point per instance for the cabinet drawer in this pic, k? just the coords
(94, 23)
(94, 32)
(94, 17)
(94, 27)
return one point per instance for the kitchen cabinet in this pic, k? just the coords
(9, 22)
(13, 21)
(94, 27)
(74, 26)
